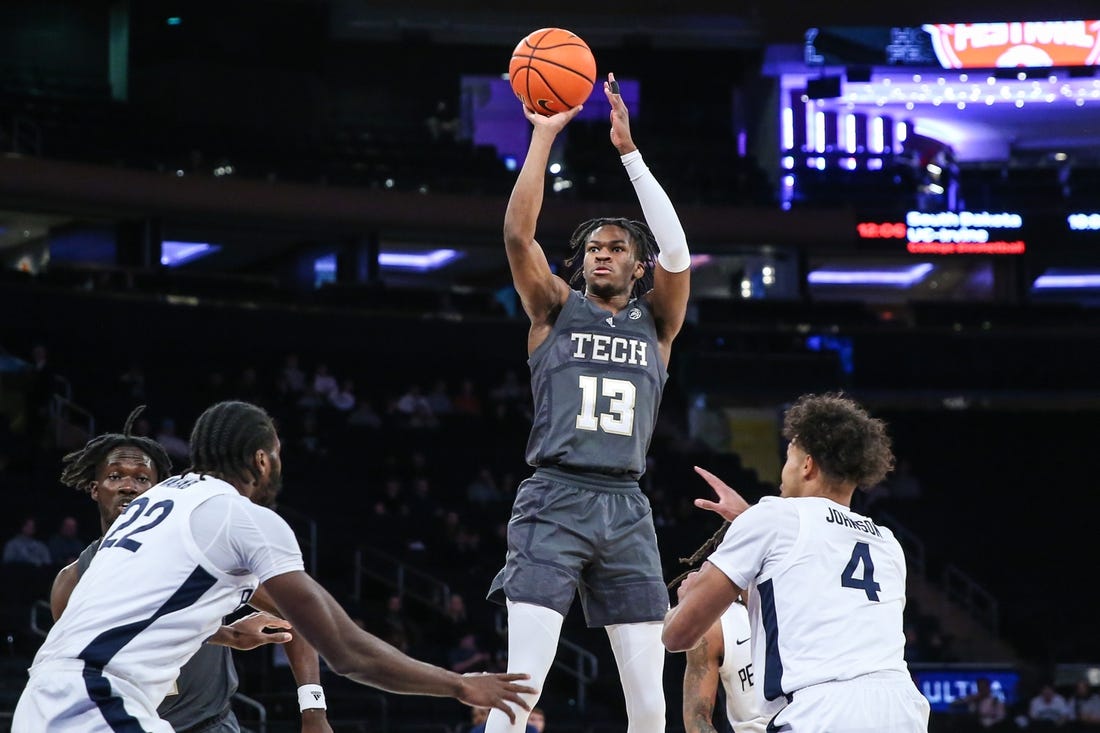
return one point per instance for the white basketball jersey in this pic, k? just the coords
(151, 597)
(826, 592)
(736, 673)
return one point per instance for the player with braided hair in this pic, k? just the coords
(78, 469)
(115, 469)
(598, 360)
(723, 656)
(638, 232)
(183, 555)
(825, 585)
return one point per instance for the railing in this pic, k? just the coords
(407, 581)
(959, 587)
(978, 602)
(305, 527)
(576, 661)
(582, 665)
(260, 710)
(38, 608)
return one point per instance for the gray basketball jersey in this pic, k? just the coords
(597, 382)
(205, 684)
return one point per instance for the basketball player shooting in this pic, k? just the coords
(598, 360)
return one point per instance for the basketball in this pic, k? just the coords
(552, 70)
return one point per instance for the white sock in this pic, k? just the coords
(640, 656)
(533, 633)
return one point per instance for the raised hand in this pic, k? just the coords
(729, 504)
(484, 690)
(554, 123)
(620, 118)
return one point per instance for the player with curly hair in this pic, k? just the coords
(825, 585)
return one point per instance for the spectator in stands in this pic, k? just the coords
(466, 402)
(510, 391)
(537, 719)
(483, 488)
(293, 374)
(443, 124)
(324, 384)
(457, 619)
(311, 440)
(984, 709)
(413, 409)
(396, 627)
(24, 548)
(536, 722)
(248, 387)
(478, 716)
(1048, 709)
(468, 656)
(176, 447)
(40, 395)
(310, 399)
(1085, 707)
(424, 500)
(365, 416)
(439, 400)
(343, 399)
(65, 545)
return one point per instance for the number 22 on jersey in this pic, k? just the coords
(137, 510)
(619, 419)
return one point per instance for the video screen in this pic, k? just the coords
(944, 686)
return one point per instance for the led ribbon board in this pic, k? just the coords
(952, 233)
(1010, 45)
(1061, 43)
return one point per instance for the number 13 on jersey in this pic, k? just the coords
(619, 419)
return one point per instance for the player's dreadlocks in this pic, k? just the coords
(645, 249)
(226, 437)
(79, 467)
(700, 555)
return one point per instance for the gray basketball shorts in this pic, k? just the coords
(570, 533)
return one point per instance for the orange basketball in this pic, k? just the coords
(552, 70)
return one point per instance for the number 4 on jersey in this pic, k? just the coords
(861, 554)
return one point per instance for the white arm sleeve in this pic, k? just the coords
(659, 214)
(240, 537)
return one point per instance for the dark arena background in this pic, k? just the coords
(245, 199)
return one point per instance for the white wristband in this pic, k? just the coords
(311, 697)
